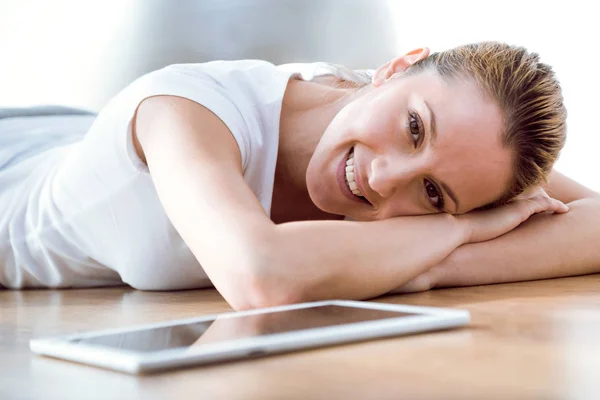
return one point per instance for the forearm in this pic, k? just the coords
(546, 246)
(346, 259)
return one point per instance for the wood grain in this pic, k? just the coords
(531, 340)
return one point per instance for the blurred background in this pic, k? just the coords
(81, 52)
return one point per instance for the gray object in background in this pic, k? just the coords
(356, 33)
(40, 111)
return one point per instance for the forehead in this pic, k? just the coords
(468, 154)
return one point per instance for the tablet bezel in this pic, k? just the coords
(428, 318)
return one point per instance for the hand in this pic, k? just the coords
(489, 224)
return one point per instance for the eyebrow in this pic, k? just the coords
(433, 137)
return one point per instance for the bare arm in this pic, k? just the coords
(196, 167)
(346, 259)
(546, 246)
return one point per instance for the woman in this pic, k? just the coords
(239, 175)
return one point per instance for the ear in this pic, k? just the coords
(398, 65)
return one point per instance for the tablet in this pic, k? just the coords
(246, 334)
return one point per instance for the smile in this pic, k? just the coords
(350, 175)
(346, 179)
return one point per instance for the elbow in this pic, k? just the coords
(260, 291)
(265, 285)
(262, 299)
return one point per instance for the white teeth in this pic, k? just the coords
(350, 175)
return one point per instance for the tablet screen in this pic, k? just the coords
(232, 328)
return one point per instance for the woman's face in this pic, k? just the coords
(420, 145)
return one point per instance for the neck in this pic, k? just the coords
(307, 109)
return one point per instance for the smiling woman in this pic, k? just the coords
(239, 174)
(412, 168)
(470, 127)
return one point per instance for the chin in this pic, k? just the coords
(320, 200)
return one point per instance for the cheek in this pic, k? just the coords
(376, 121)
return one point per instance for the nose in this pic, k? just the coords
(392, 175)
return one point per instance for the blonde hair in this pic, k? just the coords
(527, 92)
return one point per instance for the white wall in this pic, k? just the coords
(52, 51)
(565, 33)
(82, 52)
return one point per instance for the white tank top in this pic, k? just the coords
(79, 209)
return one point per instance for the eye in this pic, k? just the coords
(435, 196)
(415, 127)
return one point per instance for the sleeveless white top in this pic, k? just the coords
(79, 209)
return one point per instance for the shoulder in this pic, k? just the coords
(242, 94)
(244, 83)
(220, 76)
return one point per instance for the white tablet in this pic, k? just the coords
(239, 335)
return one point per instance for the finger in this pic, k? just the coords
(555, 205)
(560, 207)
(543, 203)
(538, 204)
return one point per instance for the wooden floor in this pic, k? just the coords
(535, 340)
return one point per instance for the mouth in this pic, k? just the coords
(347, 179)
